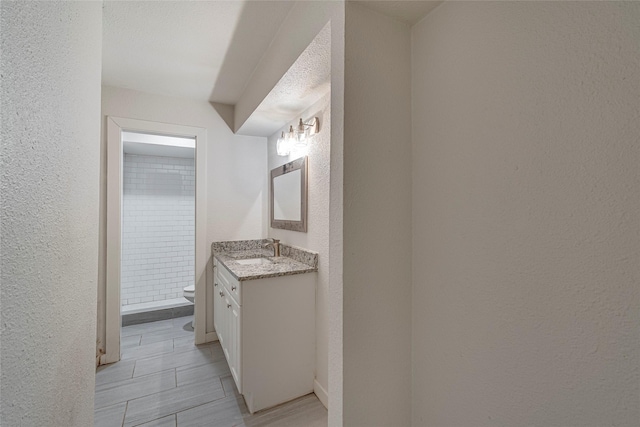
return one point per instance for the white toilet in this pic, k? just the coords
(189, 293)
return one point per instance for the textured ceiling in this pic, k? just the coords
(407, 11)
(158, 145)
(193, 49)
(208, 50)
(306, 81)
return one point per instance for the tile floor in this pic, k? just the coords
(165, 380)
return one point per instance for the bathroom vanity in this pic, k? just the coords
(264, 315)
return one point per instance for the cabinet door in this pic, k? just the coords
(226, 327)
(234, 341)
(219, 313)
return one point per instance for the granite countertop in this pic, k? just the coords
(280, 266)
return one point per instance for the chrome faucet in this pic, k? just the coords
(275, 243)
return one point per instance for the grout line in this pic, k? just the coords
(126, 406)
(197, 406)
(136, 378)
(174, 352)
(155, 419)
(222, 385)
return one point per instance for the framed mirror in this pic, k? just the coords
(288, 194)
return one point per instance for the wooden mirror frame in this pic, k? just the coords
(298, 164)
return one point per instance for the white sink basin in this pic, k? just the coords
(253, 261)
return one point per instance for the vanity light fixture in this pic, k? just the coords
(297, 138)
(284, 144)
(306, 129)
(283, 147)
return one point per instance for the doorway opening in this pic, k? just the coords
(158, 227)
(165, 164)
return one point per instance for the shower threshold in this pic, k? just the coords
(155, 305)
(134, 314)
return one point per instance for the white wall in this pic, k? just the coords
(377, 220)
(49, 189)
(526, 235)
(336, 194)
(236, 173)
(317, 236)
(158, 228)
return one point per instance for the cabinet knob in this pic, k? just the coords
(221, 293)
(233, 288)
(215, 285)
(228, 305)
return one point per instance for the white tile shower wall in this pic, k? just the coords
(158, 228)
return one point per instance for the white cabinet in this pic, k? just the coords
(233, 327)
(218, 303)
(266, 328)
(226, 318)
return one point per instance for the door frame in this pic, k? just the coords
(115, 127)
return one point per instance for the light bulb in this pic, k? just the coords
(301, 135)
(283, 148)
(301, 141)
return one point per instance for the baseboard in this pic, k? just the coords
(210, 336)
(106, 359)
(321, 393)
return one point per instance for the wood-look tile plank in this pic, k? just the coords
(183, 322)
(164, 334)
(305, 411)
(143, 328)
(168, 421)
(169, 402)
(109, 416)
(129, 341)
(223, 412)
(186, 375)
(166, 361)
(147, 350)
(121, 391)
(229, 386)
(187, 342)
(217, 352)
(114, 372)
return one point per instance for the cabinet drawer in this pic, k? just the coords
(229, 282)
